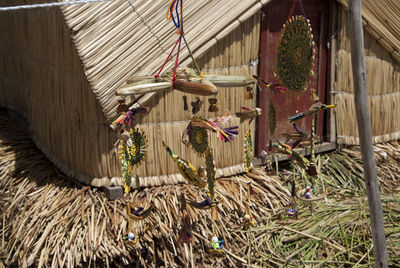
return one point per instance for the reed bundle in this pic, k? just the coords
(337, 235)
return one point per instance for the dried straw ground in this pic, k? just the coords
(48, 220)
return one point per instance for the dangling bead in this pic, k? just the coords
(249, 93)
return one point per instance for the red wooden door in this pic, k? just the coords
(278, 107)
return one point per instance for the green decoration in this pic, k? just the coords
(248, 150)
(126, 167)
(137, 147)
(132, 152)
(198, 138)
(296, 54)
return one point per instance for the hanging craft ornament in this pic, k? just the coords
(213, 105)
(122, 107)
(274, 87)
(187, 170)
(185, 234)
(198, 136)
(295, 156)
(249, 93)
(137, 147)
(249, 113)
(127, 120)
(268, 167)
(296, 54)
(313, 109)
(130, 239)
(140, 213)
(248, 150)
(126, 167)
(196, 105)
(132, 151)
(248, 219)
(224, 134)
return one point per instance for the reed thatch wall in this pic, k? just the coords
(383, 81)
(60, 68)
(41, 77)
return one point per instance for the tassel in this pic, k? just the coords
(122, 107)
(213, 105)
(196, 105)
(185, 105)
(249, 93)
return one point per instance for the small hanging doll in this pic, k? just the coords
(249, 93)
(291, 211)
(122, 107)
(216, 243)
(268, 167)
(129, 238)
(196, 105)
(185, 234)
(213, 105)
(307, 193)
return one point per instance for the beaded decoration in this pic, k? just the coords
(132, 152)
(248, 151)
(198, 138)
(137, 147)
(296, 54)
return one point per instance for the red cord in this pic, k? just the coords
(157, 75)
(176, 61)
(292, 9)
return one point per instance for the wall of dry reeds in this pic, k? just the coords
(42, 78)
(383, 82)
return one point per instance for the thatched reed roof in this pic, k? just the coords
(381, 20)
(119, 39)
(47, 220)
